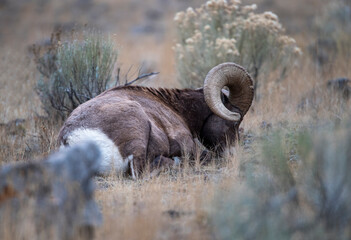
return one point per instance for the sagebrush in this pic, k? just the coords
(225, 31)
(74, 71)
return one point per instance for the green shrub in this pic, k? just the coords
(74, 71)
(224, 31)
(301, 190)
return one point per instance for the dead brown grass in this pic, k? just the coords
(162, 208)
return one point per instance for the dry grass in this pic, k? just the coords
(162, 208)
(17, 81)
(177, 204)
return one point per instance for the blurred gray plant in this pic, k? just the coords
(51, 199)
(301, 190)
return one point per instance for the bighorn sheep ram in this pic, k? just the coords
(135, 126)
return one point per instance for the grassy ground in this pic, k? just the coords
(180, 204)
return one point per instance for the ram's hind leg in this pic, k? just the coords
(138, 163)
(137, 148)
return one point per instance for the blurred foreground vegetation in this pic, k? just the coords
(298, 187)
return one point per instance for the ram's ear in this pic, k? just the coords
(225, 96)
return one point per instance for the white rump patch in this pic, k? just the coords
(112, 160)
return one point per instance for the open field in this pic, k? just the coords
(299, 121)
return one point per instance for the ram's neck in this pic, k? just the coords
(190, 104)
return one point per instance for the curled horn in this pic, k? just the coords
(240, 86)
